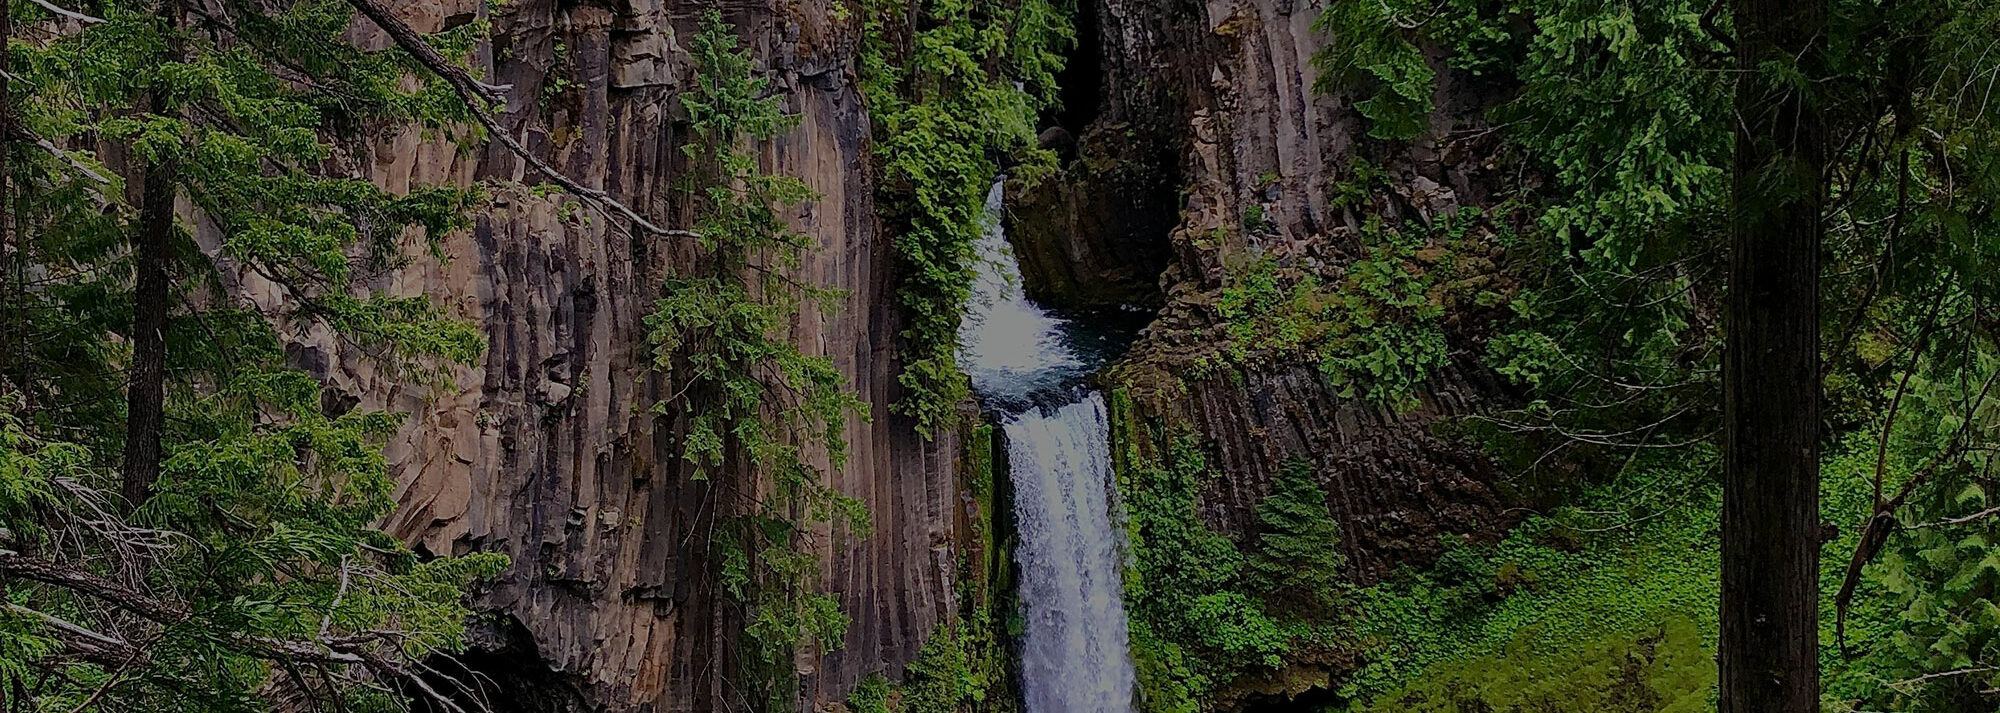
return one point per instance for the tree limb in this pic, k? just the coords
(352, 650)
(97, 587)
(71, 14)
(22, 134)
(474, 93)
(81, 642)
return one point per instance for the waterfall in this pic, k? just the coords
(1076, 657)
(1024, 362)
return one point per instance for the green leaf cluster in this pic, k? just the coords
(1203, 612)
(952, 86)
(1375, 327)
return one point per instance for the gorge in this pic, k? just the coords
(987, 356)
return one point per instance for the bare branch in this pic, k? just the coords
(1966, 520)
(22, 134)
(1954, 673)
(89, 584)
(326, 622)
(475, 93)
(71, 14)
(81, 642)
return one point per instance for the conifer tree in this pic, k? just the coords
(747, 399)
(186, 521)
(1298, 560)
(1769, 653)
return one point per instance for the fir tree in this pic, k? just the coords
(187, 525)
(749, 399)
(1297, 563)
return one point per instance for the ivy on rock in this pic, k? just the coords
(750, 400)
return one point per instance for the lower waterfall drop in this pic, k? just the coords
(1076, 655)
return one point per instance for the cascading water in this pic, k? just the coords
(1027, 363)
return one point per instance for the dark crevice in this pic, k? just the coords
(502, 672)
(1310, 700)
(1095, 234)
(1081, 81)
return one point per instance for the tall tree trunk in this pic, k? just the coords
(1770, 374)
(146, 387)
(146, 390)
(16, 344)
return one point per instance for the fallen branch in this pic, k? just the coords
(474, 93)
(81, 642)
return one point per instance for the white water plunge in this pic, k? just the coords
(1076, 656)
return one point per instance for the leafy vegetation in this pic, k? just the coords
(952, 85)
(747, 394)
(1375, 327)
(1617, 125)
(243, 567)
(1202, 611)
(1621, 110)
(959, 668)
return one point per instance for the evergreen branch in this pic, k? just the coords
(96, 587)
(116, 676)
(22, 134)
(1883, 522)
(349, 650)
(474, 92)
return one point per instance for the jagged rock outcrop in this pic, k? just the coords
(1090, 235)
(1225, 88)
(548, 450)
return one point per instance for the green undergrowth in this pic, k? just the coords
(1606, 603)
(1376, 327)
(960, 668)
(1626, 574)
(1205, 609)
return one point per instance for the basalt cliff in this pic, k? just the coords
(1180, 119)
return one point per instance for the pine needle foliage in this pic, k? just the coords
(1297, 563)
(251, 576)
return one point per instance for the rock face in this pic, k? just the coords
(1223, 90)
(1092, 235)
(549, 450)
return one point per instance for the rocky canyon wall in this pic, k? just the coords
(549, 449)
(1216, 101)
